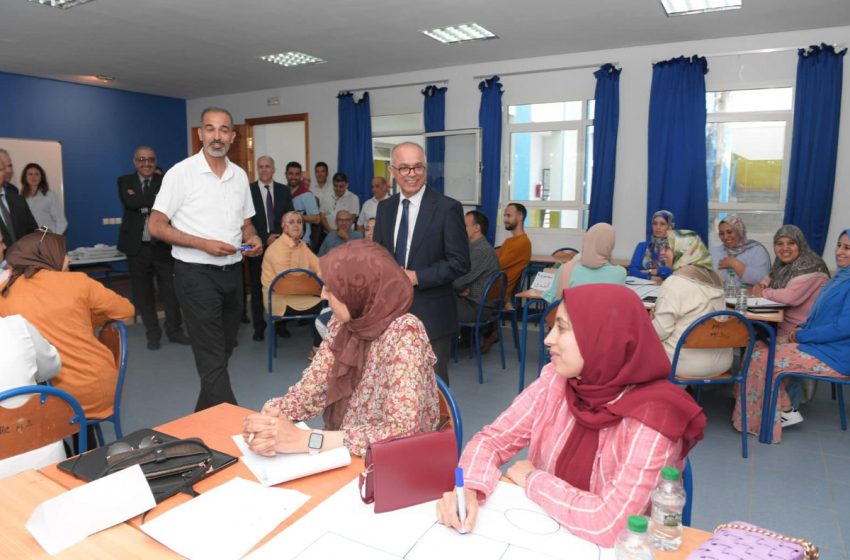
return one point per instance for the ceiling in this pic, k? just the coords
(198, 48)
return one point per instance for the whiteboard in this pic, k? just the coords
(46, 153)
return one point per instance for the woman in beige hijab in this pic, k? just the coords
(593, 264)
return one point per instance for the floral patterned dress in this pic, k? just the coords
(397, 394)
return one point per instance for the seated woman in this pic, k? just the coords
(373, 376)
(44, 203)
(693, 290)
(289, 251)
(26, 358)
(648, 258)
(739, 260)
(600, 423)
(820, 346)
(66, 307)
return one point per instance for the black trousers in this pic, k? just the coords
(211, 298)
(154, 260)
(442, 348)
(258, 312)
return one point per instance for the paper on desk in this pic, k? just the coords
(289, 466)
(635, 281)
(224, 522)
(543, 280)
(756, 302)
(70, 517)
(645, 290)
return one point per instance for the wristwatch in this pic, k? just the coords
(314, 442)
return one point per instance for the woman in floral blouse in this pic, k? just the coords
(373, 376)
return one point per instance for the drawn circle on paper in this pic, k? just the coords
(532, 521)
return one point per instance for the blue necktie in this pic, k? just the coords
(401, 238)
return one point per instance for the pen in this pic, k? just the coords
(461, 498)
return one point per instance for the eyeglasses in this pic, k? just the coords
(417, 169)
(146, 159)
(122, 447)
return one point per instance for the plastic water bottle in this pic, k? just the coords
(668, 501)
(730, 287)
(741, 302)
(632, 543)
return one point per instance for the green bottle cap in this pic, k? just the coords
(637, 524)
(670, 473)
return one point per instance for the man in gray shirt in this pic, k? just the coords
(470, 287)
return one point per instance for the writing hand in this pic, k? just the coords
(447, 510)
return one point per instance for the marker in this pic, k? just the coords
(461, 498)
(245, 247)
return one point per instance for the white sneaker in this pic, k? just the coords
(790, 418)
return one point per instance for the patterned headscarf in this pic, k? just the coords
(654, 256)
(807, 262)
(34, 252)
(691, 258)
(737, 224)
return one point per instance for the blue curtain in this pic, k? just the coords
(677, 176)
(606, 121)
(490, 121)
(435, 121)
(814, 148)
(354, 157)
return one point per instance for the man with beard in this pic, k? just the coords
(515, 252)
(303, 200)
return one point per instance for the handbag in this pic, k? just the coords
(742, 541)
(406, 471)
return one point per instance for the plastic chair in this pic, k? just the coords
(837, 387)
(113, 336)
(708, 332)
(493, 298)
(450, 412)
(688, 483)
(300, 282)
(513, 314)
(547, 319)
(565, 250)
(53, 416)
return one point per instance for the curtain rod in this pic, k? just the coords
(836, 46)
(428, 83)
(543, 71)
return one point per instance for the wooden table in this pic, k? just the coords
(215, 426)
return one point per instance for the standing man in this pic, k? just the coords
(341, 199)
(148, 257)
(370, 207)
(322, 190)
(425, 232)
(271, 201)
(515, 252)
(16, 219)
(303, 200)
(6, 163)
(204, 210)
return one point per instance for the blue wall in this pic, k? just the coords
(99, 129)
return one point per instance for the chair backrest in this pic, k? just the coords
(688, 483)
(718, 329)
(564, 254)
(449, 412)
(297, 281)
(50, 415)
(494, 295)
(113, 335)
(522, 284)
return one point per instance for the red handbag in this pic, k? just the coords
(406, 471)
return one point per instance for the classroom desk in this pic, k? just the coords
(559, 258)
(215, 426)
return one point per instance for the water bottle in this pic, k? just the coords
(730, 287)
(632, 543)
(741, 302)
(668, 501)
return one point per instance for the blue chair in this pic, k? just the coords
(688, 483)
(708, 332)
(53, 416)
(513, 314)
(492, 299)
(113, 335)
(565, 250)
(547, 319)
(450, 412)
(300, 282)
(837, 390)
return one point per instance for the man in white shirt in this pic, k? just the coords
(341, 199)
(380, 188)
(204, 211)
(320, 188)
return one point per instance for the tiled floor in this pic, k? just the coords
(800, 487)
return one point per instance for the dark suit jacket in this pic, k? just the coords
(136, 206)
(439, 253)
(23, 221)
(282, 205)
(11, 187)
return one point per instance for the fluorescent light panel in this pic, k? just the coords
(63, 4)
(689, 7)
(292, 59)
(462, 33)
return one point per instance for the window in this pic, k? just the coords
(550, 150)
(748, 137)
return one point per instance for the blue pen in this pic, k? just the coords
(461, 498)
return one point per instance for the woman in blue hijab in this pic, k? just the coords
(648, 258)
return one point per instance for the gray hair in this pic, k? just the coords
(216, 110)
(406, 145)
(270, 158)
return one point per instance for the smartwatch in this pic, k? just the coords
(314, 442)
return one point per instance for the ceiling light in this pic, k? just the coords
(105, 78)
(689, 7)
(64, 4)
(462, 33)
(292, 59)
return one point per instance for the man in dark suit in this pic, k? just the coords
(425, 232)
(6, 162)
(16, 220)
(271, 201)
(148, 257)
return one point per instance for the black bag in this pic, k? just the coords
(170, 465)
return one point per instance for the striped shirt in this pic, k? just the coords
(626, 468)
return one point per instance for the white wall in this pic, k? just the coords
(463, 97)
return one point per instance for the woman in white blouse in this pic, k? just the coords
(44, 204)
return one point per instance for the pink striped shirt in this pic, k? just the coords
(626, 469)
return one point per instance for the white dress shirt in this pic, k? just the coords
(369, 211)
(412, 214)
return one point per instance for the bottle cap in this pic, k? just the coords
(670, 473)
(637, 524)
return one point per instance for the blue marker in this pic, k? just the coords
(461, 498)
(245, 247)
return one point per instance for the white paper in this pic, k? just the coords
(445, 542)
(645, 290)
(70, 517)
(543, 280)
(756, 302)
(224, 522)
(289, 466)
(635, 281)
(333, 546)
